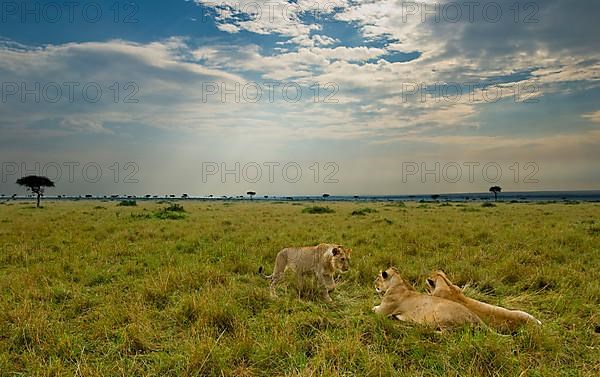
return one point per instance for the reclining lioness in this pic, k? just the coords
(497, 317)
(403, 302)
(322, 260)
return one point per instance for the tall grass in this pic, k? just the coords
(114, 292)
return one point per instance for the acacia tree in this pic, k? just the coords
(251, 194)
(495, 190)
(35, 184)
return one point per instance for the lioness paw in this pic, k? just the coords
(375, 308)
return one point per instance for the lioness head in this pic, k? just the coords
(439, 285)
(386, 279)
(341, 258)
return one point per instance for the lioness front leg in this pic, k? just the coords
(275, 279)
(327, 285)
(383, 309)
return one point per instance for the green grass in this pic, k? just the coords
(317, 210)
(118, 291)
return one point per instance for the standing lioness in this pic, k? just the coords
(322, 260)
(495, 316)
(402, 301)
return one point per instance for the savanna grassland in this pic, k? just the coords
(92, 288)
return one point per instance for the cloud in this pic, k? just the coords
(593, 116)
(343, 49)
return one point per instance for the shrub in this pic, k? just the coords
(127, 203)
(363, 211)
(174, 207)
(317, 210)
(173, 211)
(488, 204)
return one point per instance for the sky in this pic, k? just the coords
(300, 97)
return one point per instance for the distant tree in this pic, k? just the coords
(88, 196)
(35, 184)
(147, 196)
(172, 196)
(495, 190)
(266, 196)
(184, 196)
(435, 196)
(325, 196)
(356, 196)
(251, 194)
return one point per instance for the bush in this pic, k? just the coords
(363, 211)
(488, 204)
(174, 207)
(317, 210)
(127, 203)
(173, 212)
(167, 215)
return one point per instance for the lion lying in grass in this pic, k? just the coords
(497, 317)
(322, 260)
(404, 303)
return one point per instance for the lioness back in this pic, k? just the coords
(500, 318)
(303, 259)
(322, 260)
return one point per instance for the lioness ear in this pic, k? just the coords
(335, 251)
(384, 274)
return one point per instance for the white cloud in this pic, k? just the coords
(593, 116)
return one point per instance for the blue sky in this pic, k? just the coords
(387, 74)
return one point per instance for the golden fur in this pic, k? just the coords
(497, 317)
(322, 260)
(404, 303)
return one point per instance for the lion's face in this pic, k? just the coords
(385, 278)
(341, 258)
(439, 285)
